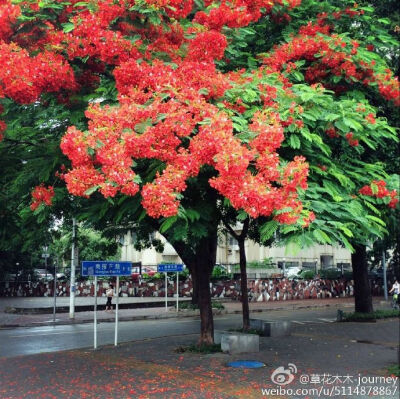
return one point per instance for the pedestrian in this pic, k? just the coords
(109, 295)
(396, 291)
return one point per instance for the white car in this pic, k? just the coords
(292, 272)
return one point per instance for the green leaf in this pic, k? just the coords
(91, 190)
(374, 188)
(294, 141)
(192, 214)
(321, 236)
(352, 124)
(168, 223)
(268, 229)
(68, 27)
(377, 220)
(203, 91)
(346, 231)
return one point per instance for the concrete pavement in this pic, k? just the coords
(321, 360)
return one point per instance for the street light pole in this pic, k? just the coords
(55, 293)
(72, 281)
(385, 288)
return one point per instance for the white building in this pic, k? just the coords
(320, 256)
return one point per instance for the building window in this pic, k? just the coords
(287, 264)
(308, 265)
(232, 241)
(326, 261)
(346, 266)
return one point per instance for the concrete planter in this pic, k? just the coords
(271, 328)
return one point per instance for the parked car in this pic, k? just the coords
(292, 272)
(42, 275)
(378, 274)
(145, 270)
(61, 277)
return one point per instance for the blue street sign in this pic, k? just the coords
(106, 268)
(170, 268)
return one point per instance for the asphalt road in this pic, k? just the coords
(24, 341)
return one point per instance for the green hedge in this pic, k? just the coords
(377, 314)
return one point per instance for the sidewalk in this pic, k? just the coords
(320, 357)
(10, 320)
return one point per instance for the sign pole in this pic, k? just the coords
(95, 313)
(177, 291)
(385, 288)
(72, 282)
(116, 314)
(166, 292)
(55, 296)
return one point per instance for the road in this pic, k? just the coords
(24, 341)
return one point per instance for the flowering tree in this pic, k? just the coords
(182, 103)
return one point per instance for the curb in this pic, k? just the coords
(87, 308)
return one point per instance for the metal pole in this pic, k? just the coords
(95, 313)
(55, 296)
(72, 282)
(385, 289)
(166, 291)
(177, 291)
(116, 314)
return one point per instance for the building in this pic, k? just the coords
(316, 257)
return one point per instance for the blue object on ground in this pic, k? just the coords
(248, 364)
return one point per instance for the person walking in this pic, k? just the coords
(109, 295)
(396, 294)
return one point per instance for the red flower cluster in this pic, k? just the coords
(207, 46)
(238, 13)
(352, 141)
(24, 78)
(331, 132)
(8, 16)
(327, 55)
(42, 195)
(173, 8)
(378, 189)
(370, 118)
(175, 108)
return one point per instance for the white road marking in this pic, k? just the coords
(90, 329)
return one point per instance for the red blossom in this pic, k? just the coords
(42, 195)
(378, 189)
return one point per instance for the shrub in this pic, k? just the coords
(394, 370)
(214, 348)
(377, 314)
(307, 274)
(191, 306)
(219, 273)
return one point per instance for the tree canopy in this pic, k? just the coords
(171, 109)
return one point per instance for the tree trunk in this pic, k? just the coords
(362, 289)
(240, 238)
(243, 285)
(195, 289)
(206, 316)
(200, 264)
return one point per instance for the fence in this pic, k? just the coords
(258, 289)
